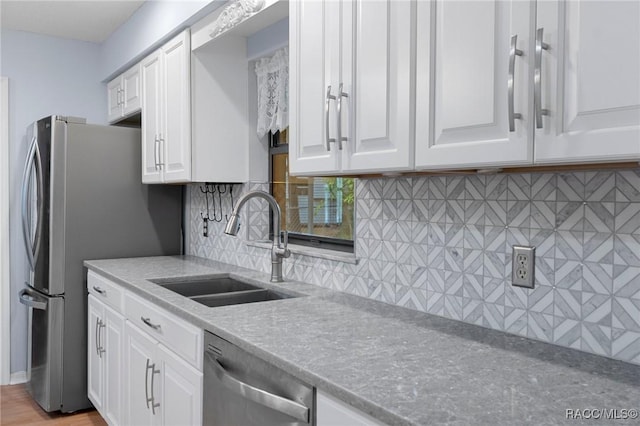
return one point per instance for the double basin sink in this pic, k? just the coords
(220, 290)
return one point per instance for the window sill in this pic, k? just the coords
(334, 255)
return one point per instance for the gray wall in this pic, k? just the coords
(47, 75)
(442, 245)
(147, 29)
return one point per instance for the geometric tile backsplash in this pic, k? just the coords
(442, 245)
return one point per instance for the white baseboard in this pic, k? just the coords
(17, 378)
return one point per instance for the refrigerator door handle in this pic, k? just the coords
(29, 299)
(39, 174)
(25, 202)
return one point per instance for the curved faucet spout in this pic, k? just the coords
(278, 250)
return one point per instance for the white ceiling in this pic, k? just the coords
(87, 20)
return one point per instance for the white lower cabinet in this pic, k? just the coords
(142, 382)
(145, 365)
(95, 365)
(333, 412)
(161, 389)
(180, 390)
(106, 336)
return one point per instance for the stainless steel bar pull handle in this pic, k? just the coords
(275, 402)
(537, 78)
(329, 98)
(513, 52)
(340, 138)
(161, 147)
(146, 383)
(154, 404)
(96, 338)
(150, 399)
(101, 349)
(148, 322)
(156, 152)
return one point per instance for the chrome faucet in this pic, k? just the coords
(279, 249)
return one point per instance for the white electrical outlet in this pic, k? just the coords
(522, 274)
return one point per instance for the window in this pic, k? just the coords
(317, 211)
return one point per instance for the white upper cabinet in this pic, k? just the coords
(590, 81)
(176, 101)
(314, 68)
(151, 121)
(522, 82)
(166, 113)
(376, 80)
(350, 86)
(123, 95)
(473, 106)
(132, 87)
(114, 99)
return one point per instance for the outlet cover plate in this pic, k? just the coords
(523, 269)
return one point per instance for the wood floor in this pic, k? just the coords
(17, 408)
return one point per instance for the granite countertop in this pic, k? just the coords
(400, 366)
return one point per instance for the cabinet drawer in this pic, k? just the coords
(105, 290)
(178, 335)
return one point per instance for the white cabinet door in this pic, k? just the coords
(350, 86)
(180, 390)
(151, 69)
(376, 78)
(464, 58)
(176, 109)
(114, 99)
(95, 364)
(131, 86)
(314, 59)
(113, 337)
(166, 113)
(124, 94)
(333, 412)
(141, 382)
(590, 81)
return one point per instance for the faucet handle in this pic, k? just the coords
(285, 252)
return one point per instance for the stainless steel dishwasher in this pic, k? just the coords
(241, 389)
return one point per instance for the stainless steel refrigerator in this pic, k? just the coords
(82, 198)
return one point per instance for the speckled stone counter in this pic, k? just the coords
(400, 366)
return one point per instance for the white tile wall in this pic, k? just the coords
(442, 245)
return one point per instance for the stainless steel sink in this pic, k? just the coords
(236, 298)
(199, 287)
(220, 290)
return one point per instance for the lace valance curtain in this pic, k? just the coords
(273, 92)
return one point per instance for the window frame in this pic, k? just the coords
(315, 241)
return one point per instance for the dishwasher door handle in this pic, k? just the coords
(260, 396)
